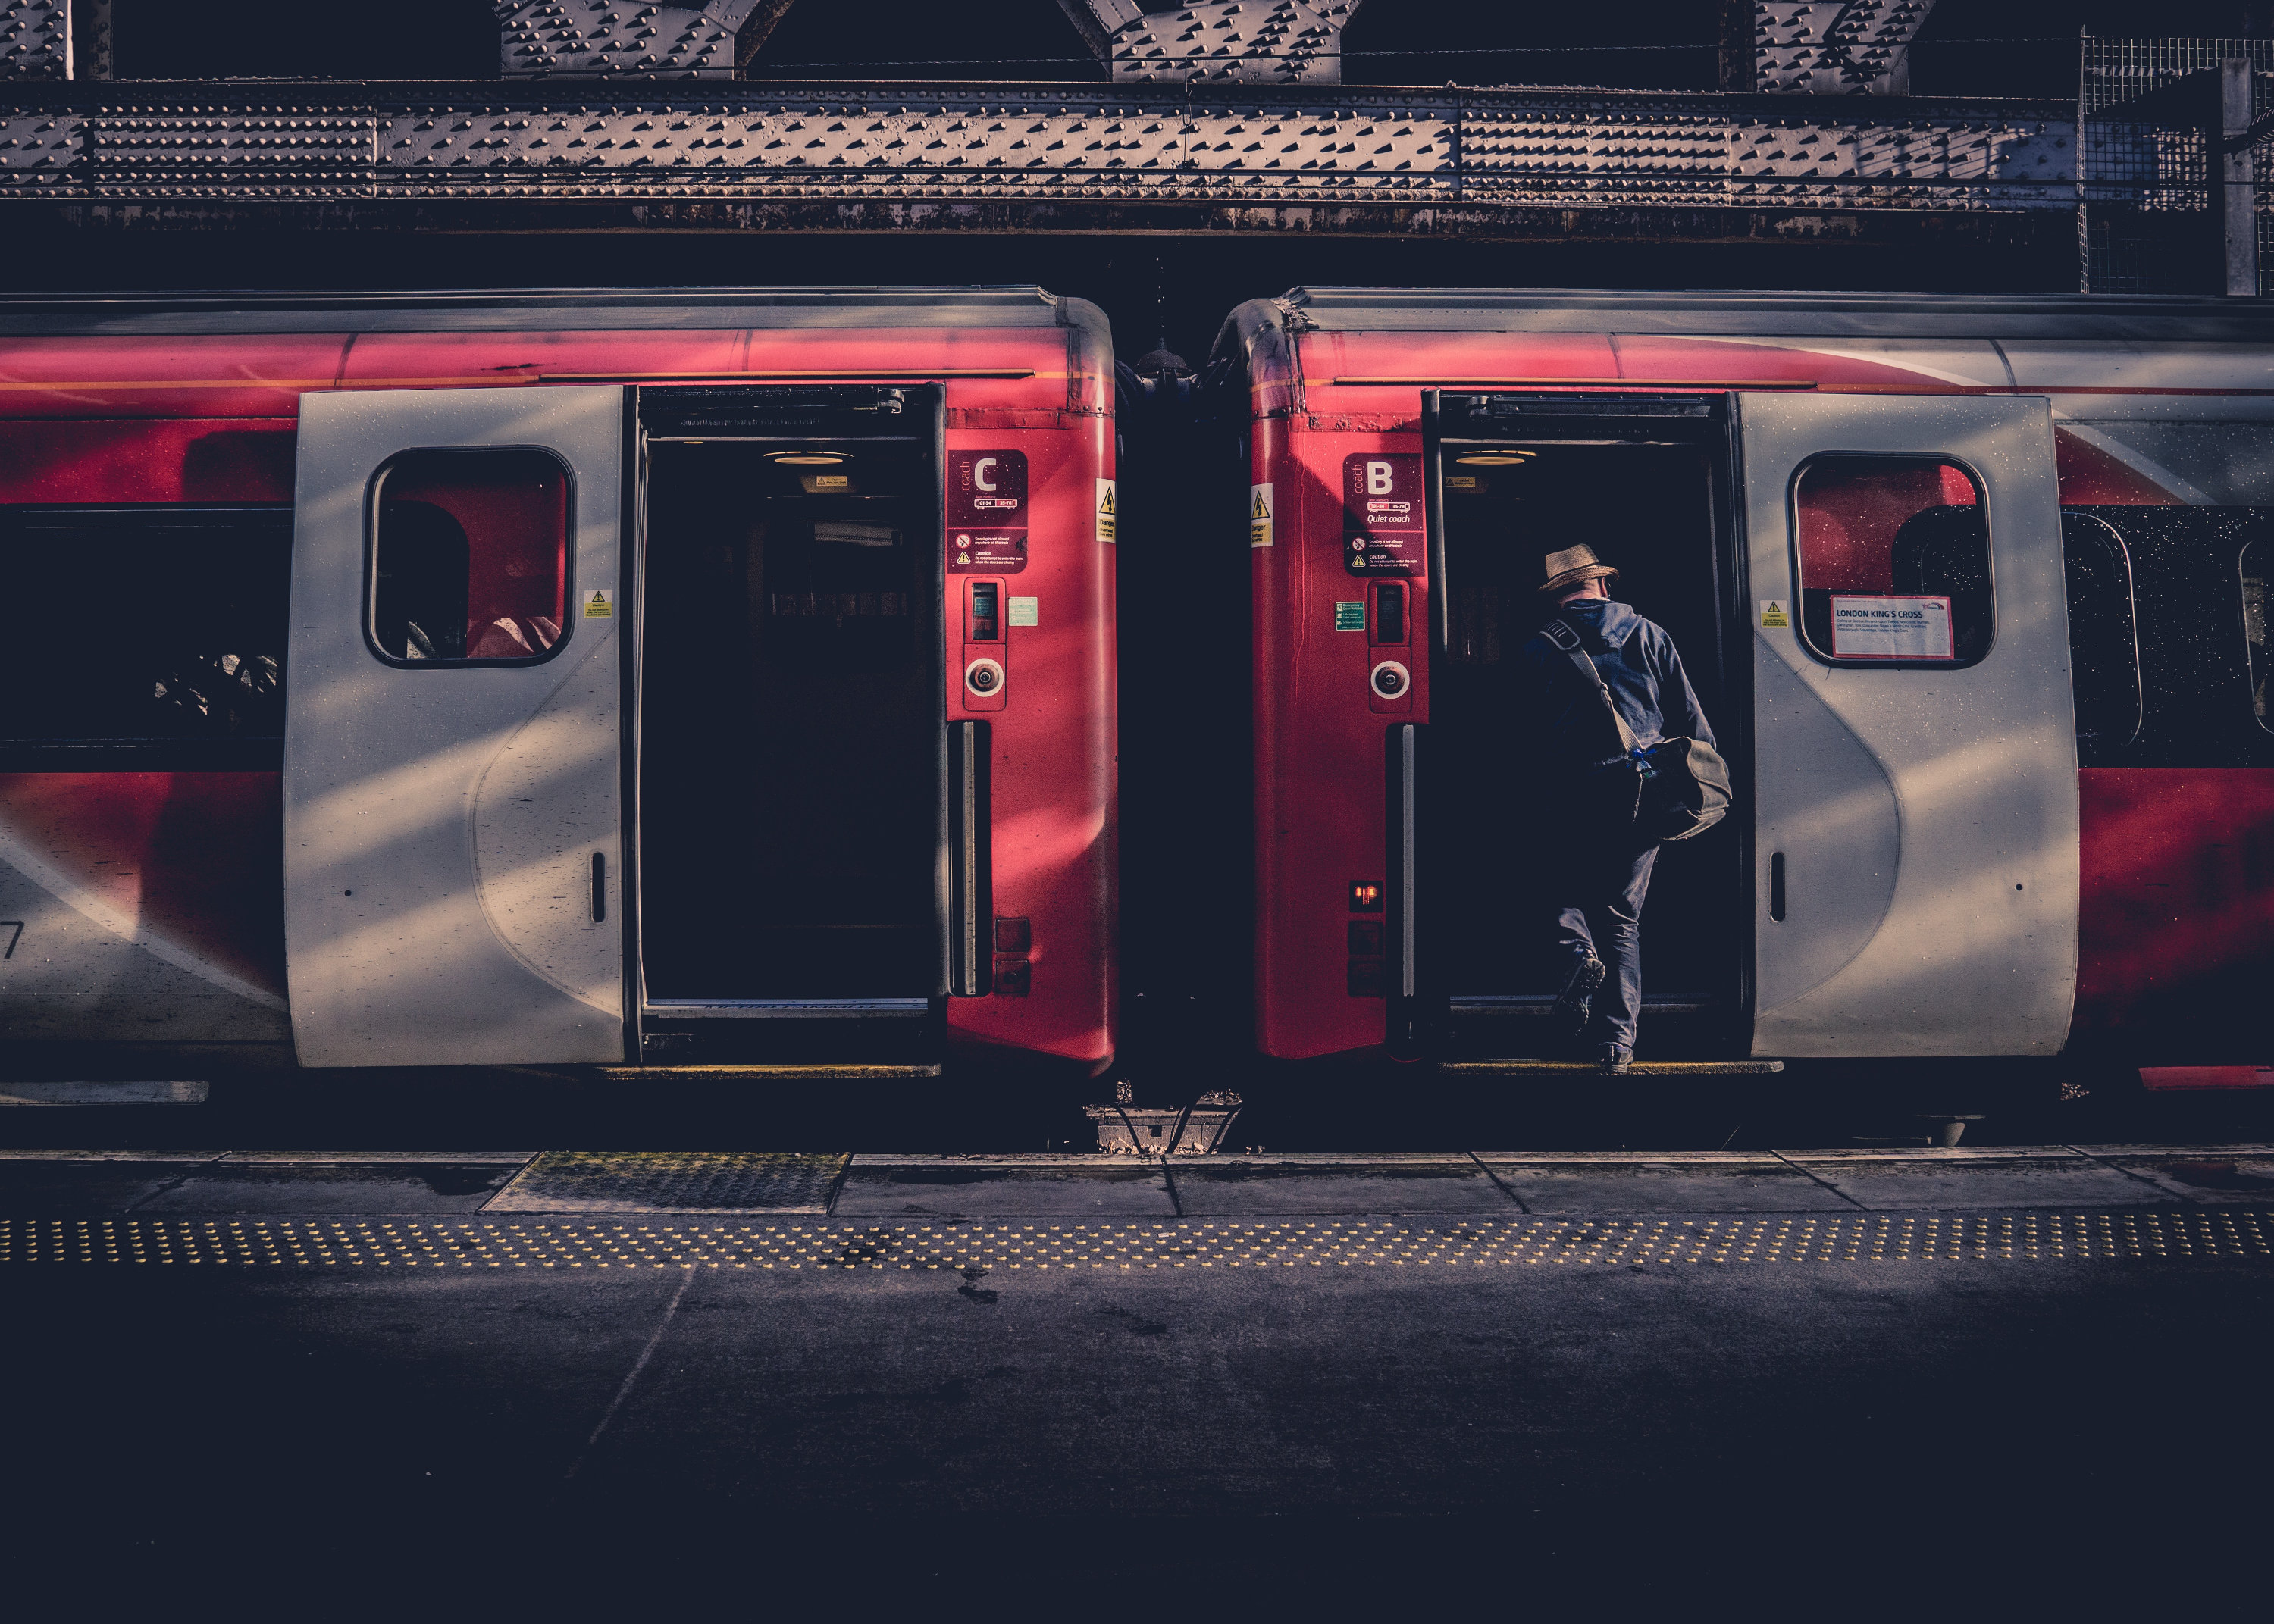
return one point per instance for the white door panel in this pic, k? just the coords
(1931, 897)
(440, 822)
(1826, 778)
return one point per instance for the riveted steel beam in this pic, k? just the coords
(1246, 145)
(610, 39)
(35, 40)
(1819, 47)
(1228, 42)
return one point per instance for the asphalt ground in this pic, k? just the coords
(1862, 1378)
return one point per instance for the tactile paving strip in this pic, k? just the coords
(404, 1242)
(581, 1181)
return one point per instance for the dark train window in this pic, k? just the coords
(146, 637)
(470, 563)
(1893, 561)
(2103, 633)
(2257, 564)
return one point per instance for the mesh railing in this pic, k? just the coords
(2147, 116)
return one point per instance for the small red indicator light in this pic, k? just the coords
(1366, 896)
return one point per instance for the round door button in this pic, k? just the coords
(983, 677)
(1391, 679)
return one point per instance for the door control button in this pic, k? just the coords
(1391, 679)
(983, 677)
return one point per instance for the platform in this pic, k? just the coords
(844, 1373)
(892, 1191)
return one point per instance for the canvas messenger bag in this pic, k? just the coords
(1684, 784)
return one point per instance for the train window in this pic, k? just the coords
(470, 560)
(147, 636)
(2257, 564)
(1894, 561)
(2102, 635)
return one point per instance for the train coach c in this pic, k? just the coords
(688, 679)
(2048, 825)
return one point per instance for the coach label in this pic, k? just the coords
(1382, 514)
(987, 512)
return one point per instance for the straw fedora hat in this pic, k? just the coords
(1572, 566)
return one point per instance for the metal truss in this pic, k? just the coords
(1235, 144)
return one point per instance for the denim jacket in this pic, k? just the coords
(1638, 664)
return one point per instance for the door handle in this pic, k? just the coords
(1405, 1031)
(971, 887)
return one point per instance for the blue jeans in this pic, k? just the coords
(1605, 887)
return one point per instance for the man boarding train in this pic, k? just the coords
(1631, 763)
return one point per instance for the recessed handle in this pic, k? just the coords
(1776, 886)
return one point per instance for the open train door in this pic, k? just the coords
(452, 759)
(1915, 817)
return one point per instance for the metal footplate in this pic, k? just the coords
(1579, 1068)
(570, 1180)
(804, 1071)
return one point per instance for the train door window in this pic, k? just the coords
(1894, 561)
(2102, 635)
(469, 561)
(147, 636)
(2257, 564)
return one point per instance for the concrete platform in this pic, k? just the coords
(902, 1189)
(1614, 1182)
(1031, 1375)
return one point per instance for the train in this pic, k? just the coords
(733, 680)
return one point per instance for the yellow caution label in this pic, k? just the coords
(1259, 516)
(1774, 617)
(1105, 510)
(600, 604)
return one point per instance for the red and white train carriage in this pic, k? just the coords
(1974, 590)
(702, 678)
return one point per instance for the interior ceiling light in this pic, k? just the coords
(1492, 459)
(809, 459)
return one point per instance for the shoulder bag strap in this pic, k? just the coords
(1560, 632)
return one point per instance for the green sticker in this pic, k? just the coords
(1350, 617)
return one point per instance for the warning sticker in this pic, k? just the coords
(1026, 611)
(600, 603)
(1350, 617)
(1382, 514)
(1259, 516)
(1105, 510)
(996, 552)
(1775, 617)
(1915, 629)
(987, 511)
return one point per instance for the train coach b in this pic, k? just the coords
(707, 679)
(1973, 592)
